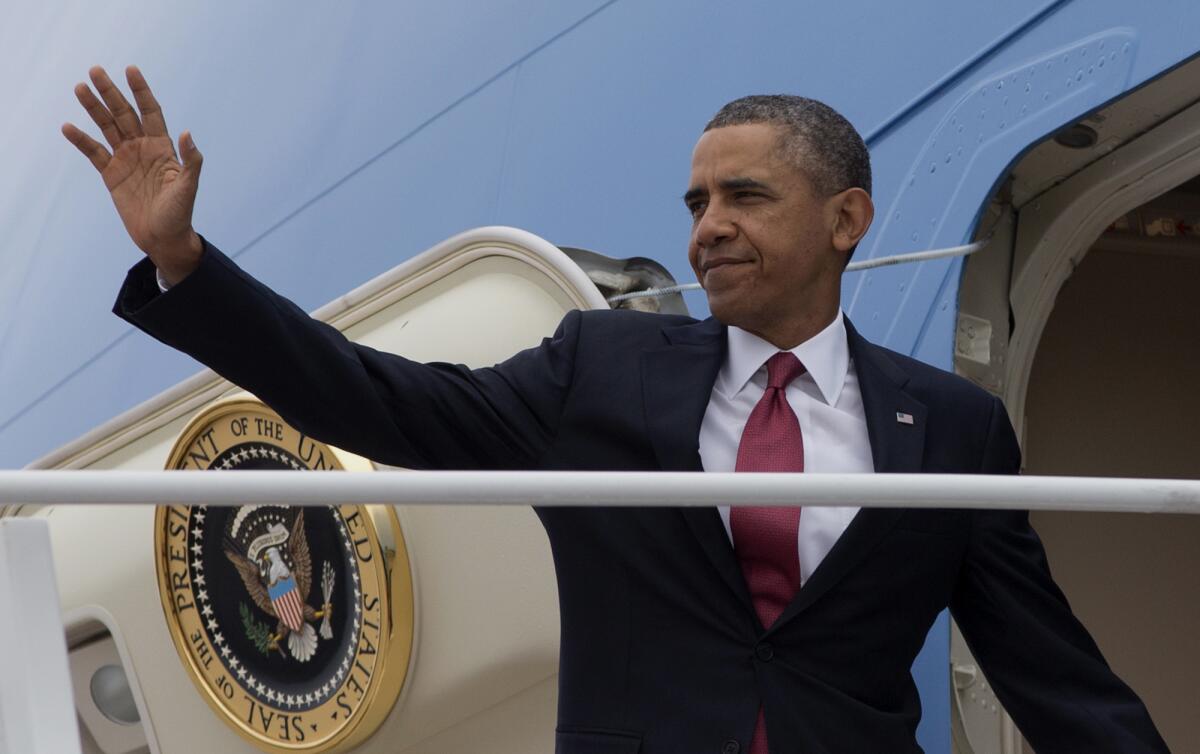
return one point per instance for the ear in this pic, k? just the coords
(853, 212)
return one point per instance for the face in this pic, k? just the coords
(764, 244)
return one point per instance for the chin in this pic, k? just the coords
(732, 310)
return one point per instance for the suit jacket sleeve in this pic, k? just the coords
(1043, 664)
(369, 402)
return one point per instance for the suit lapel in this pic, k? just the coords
(896, 448)
(677, 381)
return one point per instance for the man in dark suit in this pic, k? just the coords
(698, 630)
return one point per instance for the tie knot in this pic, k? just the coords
(782, 368)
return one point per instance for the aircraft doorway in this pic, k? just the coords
(1113, 392)
(1083, 314)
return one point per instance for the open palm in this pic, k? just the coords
(153, 191)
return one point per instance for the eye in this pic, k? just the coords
(696, 209)
(747, 196)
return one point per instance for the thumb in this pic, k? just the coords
(192, 159)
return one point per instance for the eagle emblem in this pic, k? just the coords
(274, 563)
(291, 663)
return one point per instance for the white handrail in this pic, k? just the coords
(51, 728)
(601, 488)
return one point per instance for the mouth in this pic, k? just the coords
(713, 262)
(719, 264)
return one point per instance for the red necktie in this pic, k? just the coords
(764, 539)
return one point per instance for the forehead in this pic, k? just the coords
(749, 150)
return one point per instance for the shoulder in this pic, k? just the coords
(937, 388)
(630, 318)
(623, 322)
(967, 428)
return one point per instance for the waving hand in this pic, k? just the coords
(153, 191)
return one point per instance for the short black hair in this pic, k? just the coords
(814, 137)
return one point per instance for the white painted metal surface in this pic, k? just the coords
(475, 685)
(37, 712)
(602, 488)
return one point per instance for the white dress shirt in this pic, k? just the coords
(828, 405)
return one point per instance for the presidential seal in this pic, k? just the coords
(295, 624)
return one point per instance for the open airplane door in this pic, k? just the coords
(1082, 314)
(976, 157)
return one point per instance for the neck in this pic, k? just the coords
(787, 335)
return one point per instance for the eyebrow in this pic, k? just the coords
(728, 184)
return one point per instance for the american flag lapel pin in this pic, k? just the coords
(904, 418)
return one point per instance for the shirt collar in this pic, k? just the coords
(826, 355)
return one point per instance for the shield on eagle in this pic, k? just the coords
(269, 549)
(285, 598)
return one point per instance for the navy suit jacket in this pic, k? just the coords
(662, 652)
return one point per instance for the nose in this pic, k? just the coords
(714, 227)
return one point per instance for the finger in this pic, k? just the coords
(123, 114)
(152, 115)
(192, 159)
(99, 114)
(92, 149)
